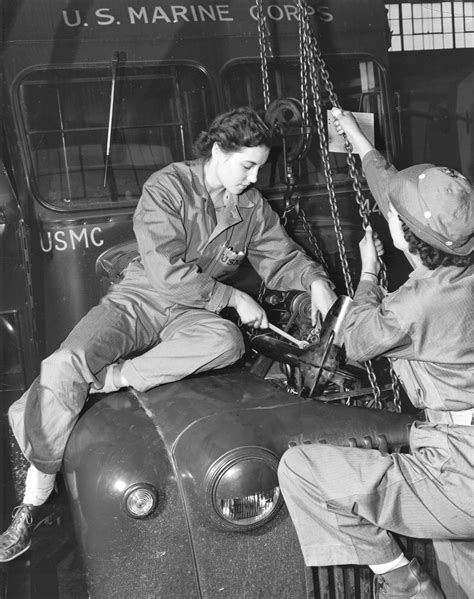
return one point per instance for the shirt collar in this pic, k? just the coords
(197, 178)
(244, 200)
(421, 272)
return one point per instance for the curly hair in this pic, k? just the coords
(233, 130)
(430, 256)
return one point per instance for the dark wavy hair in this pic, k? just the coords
(233, 130)
(430, 256)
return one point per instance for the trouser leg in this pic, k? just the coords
(344, 500)
(194, 341)
(336, 534)
(455, 561)
(42, 419)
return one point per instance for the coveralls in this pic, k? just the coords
(165, 311)
(342, 500)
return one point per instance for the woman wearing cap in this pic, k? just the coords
(344, 501)
(194, 224)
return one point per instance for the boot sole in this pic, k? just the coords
(4, 561)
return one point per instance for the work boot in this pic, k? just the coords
(405, 582)
(16, 539)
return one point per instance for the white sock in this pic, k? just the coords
(113, 380)
(398, 562)
(38, 486)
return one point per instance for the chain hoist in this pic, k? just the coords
(310, 52)
(283, 117)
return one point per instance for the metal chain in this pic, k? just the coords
(303, 75)
(316, 96)
(263, 45)
(312, 51)
(312, 239)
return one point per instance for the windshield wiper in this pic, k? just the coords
(63, 143)
(115, 61)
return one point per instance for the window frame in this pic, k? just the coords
(83, 205)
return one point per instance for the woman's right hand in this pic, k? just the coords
(250, 312)
(345, 123)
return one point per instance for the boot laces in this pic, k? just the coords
(21, 514)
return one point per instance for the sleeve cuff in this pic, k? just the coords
(220, 298)
(367, 289)
(320, 275)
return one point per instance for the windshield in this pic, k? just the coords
(358, 83)
(156, 112)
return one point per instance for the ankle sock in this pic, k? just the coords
(38, 486)
(398, 562)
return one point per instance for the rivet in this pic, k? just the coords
(449, 243)
(427, 214)
(422, 176)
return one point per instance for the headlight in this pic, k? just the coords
(139, 500)
(242, 488)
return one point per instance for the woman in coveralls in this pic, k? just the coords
(344, 501)
(194, 223)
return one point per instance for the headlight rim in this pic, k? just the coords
(220, 467)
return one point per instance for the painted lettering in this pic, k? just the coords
(103, 13)
(176, 13)
(70, 239)
(290, 12)
(141, 14)
(275, 12)
(179, 11)
(96, 242)
(324, 14)
(158, 14)
(69, 22)
(78, 238)
(222, 11)
(60, 243)
(209, 13)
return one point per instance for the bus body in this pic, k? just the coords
(97, 96)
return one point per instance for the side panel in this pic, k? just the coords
(114, 446)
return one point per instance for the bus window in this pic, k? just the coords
(157, 112)
(358, 82)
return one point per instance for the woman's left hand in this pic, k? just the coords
(371, 248)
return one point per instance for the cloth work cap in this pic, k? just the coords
(437, 204)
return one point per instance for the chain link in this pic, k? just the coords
(312, 239)
(264, 50)
(313, 52)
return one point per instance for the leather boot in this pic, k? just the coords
(405, 582)
(16, 539)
